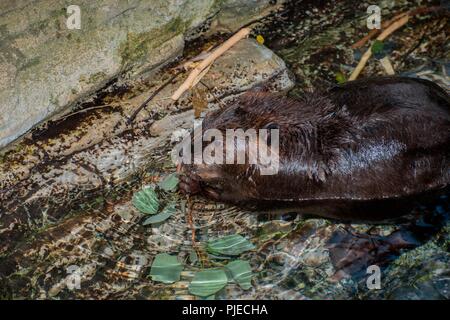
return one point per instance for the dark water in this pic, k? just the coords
(316, 45)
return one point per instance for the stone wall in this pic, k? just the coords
(45, 67)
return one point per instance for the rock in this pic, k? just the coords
(46, 67)
(47, 173)
(236, 13)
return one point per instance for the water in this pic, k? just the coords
(113, 252)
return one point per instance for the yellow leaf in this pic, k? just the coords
(260, 39)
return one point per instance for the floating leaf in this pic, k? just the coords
(169, 183)
(166, 213)
(241, 273)
(208, 282)
(146, 200)
(215, 257)
(231, 245)
(260, 39)
(193, 258)
(166, 268)
(377, 47)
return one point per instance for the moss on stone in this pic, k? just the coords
(138, 46)
(97, 77)
(30, 63)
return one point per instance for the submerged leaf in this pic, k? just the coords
(340, 78)
(146, 201)
(377, 47)
(208, 282)
(193, 258)
(166, 213)
(231, 245)
(166, 268)
(169, 183)
(241, 272)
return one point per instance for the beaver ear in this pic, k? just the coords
(240, 111)
(271, 125)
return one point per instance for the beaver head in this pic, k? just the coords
(376, 139)
(300, 127)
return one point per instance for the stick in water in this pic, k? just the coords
(366, 56)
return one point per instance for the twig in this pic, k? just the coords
(197, 73)
(190, 221)
(387, 65)
(366, 56)
(392, 25)
(180, 69)
(83, 110)
(374, 32)
(144, 104)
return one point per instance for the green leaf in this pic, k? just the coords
(193, 258)
(165, 214)
(146, 200)
(215, 257)
(166, 268)
(377, 46)
(169, 183)
(340, 78)
(208, 282)
(232, 245)
(241, 273)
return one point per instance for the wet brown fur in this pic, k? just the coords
(356, 151)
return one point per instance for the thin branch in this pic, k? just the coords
(144, 104)
(83, 110)
(366, 56)
(374, 32)
(198, 72)
(387, 65)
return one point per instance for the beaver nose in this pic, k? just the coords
(211, 193)
(189, 184)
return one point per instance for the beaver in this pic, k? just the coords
(365, 150)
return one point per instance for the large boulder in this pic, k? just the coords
(45, 66)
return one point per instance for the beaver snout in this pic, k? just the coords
(189, 184)
(199, 179)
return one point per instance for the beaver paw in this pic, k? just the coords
(189, 184)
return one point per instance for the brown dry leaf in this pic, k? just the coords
(199, 101)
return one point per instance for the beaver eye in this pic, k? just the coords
(215, 184)
(271, 125)
(239, 111)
